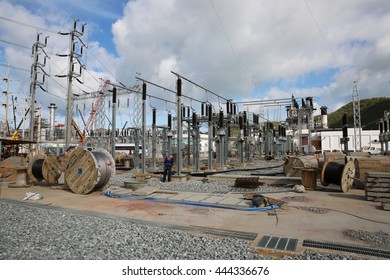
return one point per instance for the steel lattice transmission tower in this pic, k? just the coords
(356, 118)
(137, 110)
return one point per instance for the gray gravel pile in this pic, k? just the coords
(29, 233)
(379, 240)
(37, 233)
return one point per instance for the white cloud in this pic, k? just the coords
(242, 48)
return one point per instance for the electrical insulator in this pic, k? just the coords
(194, 119)
(183, 112)
(210, 112)
(240, 122)
(344, 123)
(170, 121)
(178, 87)
(144, 91)
(114, 95)
(154, 116)
(220, 118)
(381, 127)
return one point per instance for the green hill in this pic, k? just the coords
(371, 110)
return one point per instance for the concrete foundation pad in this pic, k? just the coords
(160, 195)
(6, 184)
(214, 199)
(197, 197)
(141, 176)
(182, 196)
(230, 201)
(145, 191)
(178, 178)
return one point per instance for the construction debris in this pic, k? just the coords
(32, 196)
(299, 189)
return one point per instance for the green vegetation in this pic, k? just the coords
(371, 110)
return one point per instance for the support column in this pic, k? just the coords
(179, 128)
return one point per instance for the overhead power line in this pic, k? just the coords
(14, 67)
(230, 43)
(15, 44)
(322, 33)
(28, 25)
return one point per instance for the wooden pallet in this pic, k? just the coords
(377, 186)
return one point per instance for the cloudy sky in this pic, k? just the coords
(240, 50)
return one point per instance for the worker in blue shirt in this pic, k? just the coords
(168, 163)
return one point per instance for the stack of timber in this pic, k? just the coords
(378, 187)
(369, 164)
(294, 164)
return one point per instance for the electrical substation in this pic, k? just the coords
(320, 181)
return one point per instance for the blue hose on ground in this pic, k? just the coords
(270, 207)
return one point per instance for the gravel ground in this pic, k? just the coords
(34, 233)
(29, 232)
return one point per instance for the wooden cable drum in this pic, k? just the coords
(338, 157)
(34, 168)
(52, 168)
(339, 174)
(293, 165)
(371, 164)
(87, 171)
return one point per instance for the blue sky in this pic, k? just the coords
(242, 50)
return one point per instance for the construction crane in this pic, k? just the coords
(15, 136)
(97, 106)
(78, 131)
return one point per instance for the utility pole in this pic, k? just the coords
(356, 118)
(6, 131)
(37, 47)
(6, 128)
(74, 58)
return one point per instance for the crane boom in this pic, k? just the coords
(97, 105)
(15, 136)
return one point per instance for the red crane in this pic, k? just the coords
(97, 105)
